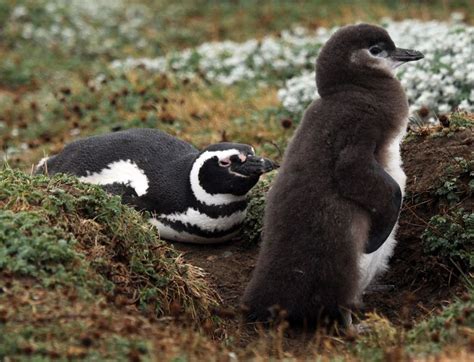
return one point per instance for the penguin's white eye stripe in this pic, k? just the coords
(199, 192)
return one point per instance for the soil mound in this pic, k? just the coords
(421, 277)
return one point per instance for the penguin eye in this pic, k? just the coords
(378, 51)
(374, 50)
(225, 162)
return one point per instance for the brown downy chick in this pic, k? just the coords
(333, 201)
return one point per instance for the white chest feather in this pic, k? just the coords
(376, 262)
(124, 172)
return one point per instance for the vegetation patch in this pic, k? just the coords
(84, 276)
(452, 325)
(451, 237)
(40, 323)
(253, 223)
(67, 233)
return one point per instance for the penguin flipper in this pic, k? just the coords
(383, 223)
(361, 179)
(126, 192)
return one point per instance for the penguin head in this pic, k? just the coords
(227, 168)
(360, 54)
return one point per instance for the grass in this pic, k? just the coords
(38, 323)
(205, 115)
(73, 260)
(33, 73)
(64, 233)
(450, 326)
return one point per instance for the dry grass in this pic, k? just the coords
(112, 240)
(206, 117)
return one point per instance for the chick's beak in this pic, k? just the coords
(405, 55)
(255, 166)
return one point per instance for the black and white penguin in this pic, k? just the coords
(330, 215)
(196, 197)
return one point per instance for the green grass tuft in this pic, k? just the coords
(452, 325)
(67, 233)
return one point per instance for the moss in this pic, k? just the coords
(29, 246)
(79, 271)
(253, 223)
(66, 233)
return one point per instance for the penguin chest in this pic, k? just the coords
(392, 161)
(377, 262)
(195, 226)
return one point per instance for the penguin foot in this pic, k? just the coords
(347, 318)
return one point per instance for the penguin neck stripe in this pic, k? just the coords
(204, 222)
(199, 192)
(167, 232)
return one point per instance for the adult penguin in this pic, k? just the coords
(194, 196)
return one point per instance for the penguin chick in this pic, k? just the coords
(334, 199)
(196, 197)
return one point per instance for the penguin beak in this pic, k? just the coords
(255, 166)
(405, 55)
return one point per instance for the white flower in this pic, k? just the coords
(444, 108)
(466, 106)
(441, 81)
(19, 11)
(471, 96)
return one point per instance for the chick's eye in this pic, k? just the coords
(375, 50)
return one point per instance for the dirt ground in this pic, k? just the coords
(415, 285)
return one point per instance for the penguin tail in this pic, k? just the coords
(42, 166)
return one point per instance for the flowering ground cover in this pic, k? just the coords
(441, 83)
(83, 277)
